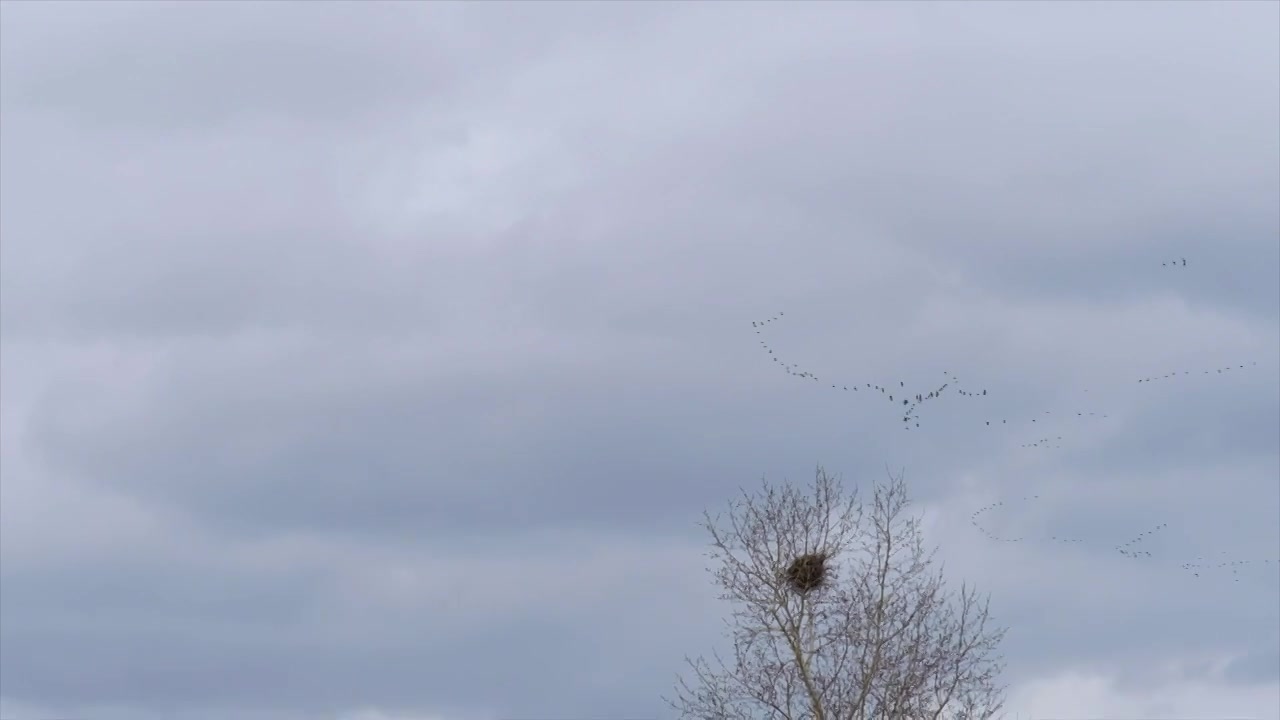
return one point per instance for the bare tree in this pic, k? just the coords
(839, 615)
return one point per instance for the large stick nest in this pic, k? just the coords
(807, 572)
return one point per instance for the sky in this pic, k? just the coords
(378, 361)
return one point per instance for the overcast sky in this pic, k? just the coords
(377, 361)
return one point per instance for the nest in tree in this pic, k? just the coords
(807, 572)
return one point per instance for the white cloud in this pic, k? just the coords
(1081, 695)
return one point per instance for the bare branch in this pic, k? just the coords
(878, 637)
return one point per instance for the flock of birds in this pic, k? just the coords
(974, 517)
(910, 401)
(1129, 549)
(1188, 372)
(1203, 566)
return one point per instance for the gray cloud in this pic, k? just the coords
(309, 312)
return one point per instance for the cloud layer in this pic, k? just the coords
(376, 361)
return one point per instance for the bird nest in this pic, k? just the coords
(807, 572)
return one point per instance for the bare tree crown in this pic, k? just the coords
(839, 614)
